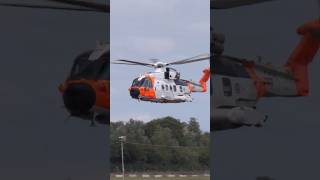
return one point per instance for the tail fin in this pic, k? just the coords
(205, 77)
(304, 54)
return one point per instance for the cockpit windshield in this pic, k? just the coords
(84, 68)
(144, 82)
(135, 82)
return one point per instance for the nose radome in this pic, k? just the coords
(79, 98)
(134, 93)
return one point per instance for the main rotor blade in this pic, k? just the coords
(226, 4)
(319, 9)
(90, 5)
(45, 7)
(129, 62)
(201, 57)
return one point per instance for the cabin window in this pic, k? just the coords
(170, 88)
(180, 88)
(167, 88)
(174, 88)
(227, 86)
(162, 86)
(237, 88)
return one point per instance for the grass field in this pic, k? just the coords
(164, 178)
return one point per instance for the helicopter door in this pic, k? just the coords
(174, 90)
(160, 90)
(157, 89)
(166, 91)
(147, 86)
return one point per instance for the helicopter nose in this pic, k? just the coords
(134, 93)
(79, 98)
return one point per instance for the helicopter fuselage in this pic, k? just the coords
(239, 84)
(164, 87)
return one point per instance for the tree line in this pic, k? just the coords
(164, 144)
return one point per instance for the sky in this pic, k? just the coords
(37, 52)
(286, 147)
(166, 30)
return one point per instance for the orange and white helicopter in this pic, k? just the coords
(239, 83)
(164, 84)
(85, 91)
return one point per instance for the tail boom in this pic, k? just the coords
(303, 55)
(202, 86)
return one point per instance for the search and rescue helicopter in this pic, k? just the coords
(164, 84)
(86, 90)
(239, 83)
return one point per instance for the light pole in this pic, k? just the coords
(122, 140)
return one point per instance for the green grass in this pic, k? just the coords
(164, 178)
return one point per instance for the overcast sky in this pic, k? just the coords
(37, 52)
(167, 30)
(286, 148)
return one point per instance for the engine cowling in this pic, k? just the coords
(230, 118)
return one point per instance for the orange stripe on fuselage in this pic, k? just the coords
(260, 86)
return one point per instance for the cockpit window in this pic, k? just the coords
(84, 68)
(224, 66)
(147, 83)
(104, 73)
(135, 82)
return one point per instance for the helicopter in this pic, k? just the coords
(240, 83)
(85, 92)
(164, 84)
